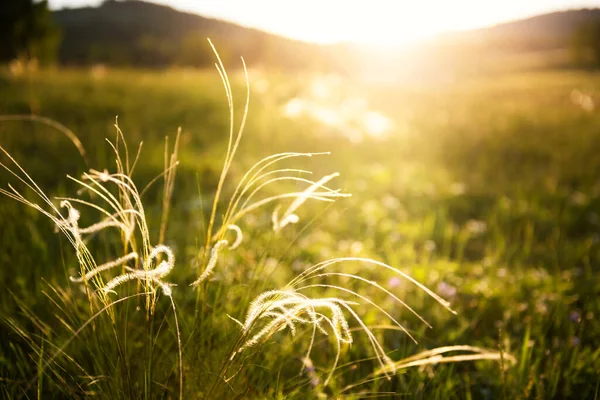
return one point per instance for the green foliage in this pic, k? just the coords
(27, 30)
(586, 44)
(486, 190)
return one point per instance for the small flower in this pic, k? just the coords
(394, 282)
(575, 316)
(446, 290)
(574, 341)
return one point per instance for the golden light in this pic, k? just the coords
(373, 22)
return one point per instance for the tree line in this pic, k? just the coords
(134, 33)
(27, 30)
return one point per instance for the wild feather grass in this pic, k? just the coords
(315, 301)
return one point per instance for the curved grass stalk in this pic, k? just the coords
(382, 358)
(240, 190)
(372, 283)
(318, 267)
(105, 267)
(128, 212)
(286, 308)
(179, 348)
(157, 177)
(284, 178)
(130, 189)
(53, 124)
(124, 211)
(115, 147)
(276, 171)
(212, 262)
(170, 166)
(435, 356)
(135, 160)
(322, 196)
(231, 216)
(298, 307)
(84, 257)
(147, 274)
(62, 348)
(119, 210)
(109, 221)
(239, 236)
(30, 183)
(253, 174)
(106, 196)
(299, 199)
(231, 146)
(306, 194)
(215, 251)
(353, 293)
(338, 343)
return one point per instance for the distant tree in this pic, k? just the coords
(27, 30)
(586, 44)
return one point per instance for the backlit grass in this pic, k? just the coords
(485, 191)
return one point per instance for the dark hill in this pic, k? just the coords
(138, 33)
(141, 33)
(548, 31)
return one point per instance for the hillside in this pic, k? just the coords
(538, 43)
(138, 33)
(141, 33)
(542, 32)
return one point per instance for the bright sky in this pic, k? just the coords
(381, 22)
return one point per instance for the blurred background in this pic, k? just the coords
(378, 40)
(467, 131)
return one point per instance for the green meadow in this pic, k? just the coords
(485, 189)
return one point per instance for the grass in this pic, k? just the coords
(484, 190)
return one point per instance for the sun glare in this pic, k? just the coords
(373, 23)
(379, 23)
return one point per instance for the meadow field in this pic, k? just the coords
(485, 189)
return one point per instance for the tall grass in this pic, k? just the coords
(324, 303)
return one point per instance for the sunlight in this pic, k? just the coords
(380, 23)
(349, 116)
(376, 124)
